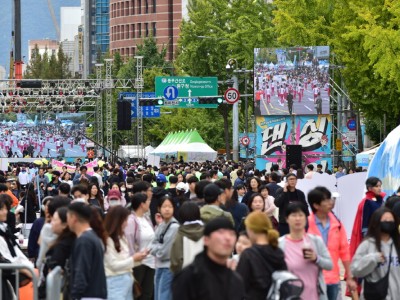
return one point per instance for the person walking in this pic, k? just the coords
(59, 251)
(258, 262)
(318, 104)
(208, 277)
(324, 223)
(305, 254)
(286, 195)
(161, 249)
(372, 201)
(376, 259)
(140, 233)
(189, 238)
(88, 279)
(289, 99)
(118, 263)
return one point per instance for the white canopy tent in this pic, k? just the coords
(186, 144)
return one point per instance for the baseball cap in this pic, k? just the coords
(181, 186)
(114, 194)
(212, 191)
(217, 224)
(161, 178)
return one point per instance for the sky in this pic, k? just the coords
(36, 24)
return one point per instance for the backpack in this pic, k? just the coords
(285, 285)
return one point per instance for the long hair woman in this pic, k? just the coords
(238, 210)
(95, 196)
(161, 249)
(253, 185)
(305, 254)
(60, 251)
(257, 263)
(378, 255)
(118, 263)
(30, 202)
(140, 234)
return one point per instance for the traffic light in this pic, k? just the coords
(211, 100)
(151, 101)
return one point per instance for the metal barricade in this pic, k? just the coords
(19, 267)
(54, 283)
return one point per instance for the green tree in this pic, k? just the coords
(48, 67)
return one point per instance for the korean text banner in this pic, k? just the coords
(313, 133)
(293, 80)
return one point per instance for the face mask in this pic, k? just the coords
(123, 189)
(129, 186)
(388, 227)
(23, 171)
(114, 202)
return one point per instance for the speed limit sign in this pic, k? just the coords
(245, 140)
(231, 95)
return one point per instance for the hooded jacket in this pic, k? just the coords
(193, 232)
(256, 265)
(209, 212)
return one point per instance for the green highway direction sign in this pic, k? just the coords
(183, 91)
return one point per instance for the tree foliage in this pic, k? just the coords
(43, 66)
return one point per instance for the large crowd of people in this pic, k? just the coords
(20, 140)
(213, 230)
(276, 84)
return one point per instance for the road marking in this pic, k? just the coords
(307, 107)
(266, 108)
(311, 99)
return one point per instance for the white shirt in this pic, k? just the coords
(23, 178)
(146, 237)
(117, 263)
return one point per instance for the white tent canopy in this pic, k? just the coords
(188, 144)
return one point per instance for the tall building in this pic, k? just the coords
(132, 21)
(96, 40)
(70, 20)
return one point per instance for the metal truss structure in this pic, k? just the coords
(66, 95)
(139, 84)
(99, 106)
(108, 86)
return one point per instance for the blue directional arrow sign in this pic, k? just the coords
(171, 92)
(147, 111)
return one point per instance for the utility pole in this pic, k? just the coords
(235, 121)
(246, 112)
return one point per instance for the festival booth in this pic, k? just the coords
(363, 159)
(188, 144)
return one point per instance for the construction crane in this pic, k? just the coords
(53, 18)
(16, 51)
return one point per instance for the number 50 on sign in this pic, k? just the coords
(231, 95)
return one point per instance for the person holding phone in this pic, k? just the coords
(286, 195)
(305, 254)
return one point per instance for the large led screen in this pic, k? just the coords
(291, 81)
(42, 135)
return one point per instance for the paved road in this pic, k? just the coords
(305, 107)
(75, 151)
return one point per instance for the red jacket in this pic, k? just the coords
(356, 234)
(338, 245)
